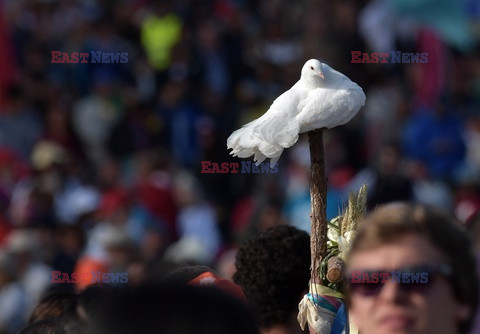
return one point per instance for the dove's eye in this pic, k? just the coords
(311, 67)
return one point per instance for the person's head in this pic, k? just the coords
(199, 275)
(273, 269)
(389, 158)
(473, 228)
(8, 270)
(175, 308)
(95, 301)
(53, 306)
(184, 274)
(46, 326)
(411, 239)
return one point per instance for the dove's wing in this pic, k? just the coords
(274, 131)
(333, 105)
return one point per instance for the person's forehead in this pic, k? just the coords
(406, 251)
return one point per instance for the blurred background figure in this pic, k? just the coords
(34, 276)
(199, 236)
(13, 296)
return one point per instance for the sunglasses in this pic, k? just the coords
(416, 279)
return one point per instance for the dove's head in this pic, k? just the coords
(312, 73)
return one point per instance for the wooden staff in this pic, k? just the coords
(318, 196)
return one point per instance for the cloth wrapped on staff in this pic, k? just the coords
(323, 308)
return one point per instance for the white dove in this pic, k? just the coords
(322, 98)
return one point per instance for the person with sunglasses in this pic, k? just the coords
(411, 270)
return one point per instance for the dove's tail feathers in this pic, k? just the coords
(263, 139)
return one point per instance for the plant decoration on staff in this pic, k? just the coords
(323, 307)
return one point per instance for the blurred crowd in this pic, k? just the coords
(100, 163)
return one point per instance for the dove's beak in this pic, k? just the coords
(320, 74)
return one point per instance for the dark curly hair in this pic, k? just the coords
(273, 270)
